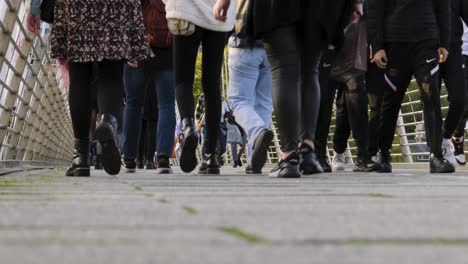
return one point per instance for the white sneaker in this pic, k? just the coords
(339, 162)
(447, 149)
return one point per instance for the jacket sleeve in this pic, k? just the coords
(442, 8)
(36, 7)
(376, 23)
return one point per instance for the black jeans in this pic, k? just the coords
(185, 54)
(107, 79)
(351, 115)
(452, 73)
(404, 60)
(294, 52)
(460, 131)
(375, 86)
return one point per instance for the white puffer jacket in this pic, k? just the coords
(200, 13)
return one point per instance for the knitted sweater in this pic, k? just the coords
(200, 13)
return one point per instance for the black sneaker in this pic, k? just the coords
(250, 170)
(188, 156)
(441, 165)
(140, 164)
(210, 165)
(260, 149)
(459, 145)
(324, 162)
(130, 166)
(105, 134)
(287, 168)
(363, 166)
(164, 166)
(309, 162)
(385, 165)
(150, 165)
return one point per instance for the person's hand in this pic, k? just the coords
(220, 9)
(33, 22)
(380, 59)
(132, 64)
(357, 13)
(443, 54)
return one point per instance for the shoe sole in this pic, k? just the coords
(213, 171)
(286, 176)
(79, 172)
(188, 157)
(163, 171)
(433, 170)
(110, 152)
(461, 162)
(339, 169)
(130, 170)
(259, 155)
(310, 170)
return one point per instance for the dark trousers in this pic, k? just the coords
(405, 60)
(460, 130)
(351, 115)
(107, 79)
(351, 110)
(294, 53)
(185, 54)
(375, 86)
(452, 73)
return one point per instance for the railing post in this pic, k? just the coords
(403, 139)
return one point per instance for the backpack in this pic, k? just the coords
(154, 18)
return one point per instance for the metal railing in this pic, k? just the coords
(34, 117)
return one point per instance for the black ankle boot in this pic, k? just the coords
(188, 156)
(80, 164)
(309, 162)
(105, 134)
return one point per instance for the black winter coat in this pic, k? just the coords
(408, 21)
(333, 15)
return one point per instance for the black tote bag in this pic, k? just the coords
(351, 60)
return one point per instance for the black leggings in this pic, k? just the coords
(108, 77)
(460, 131)
(294, 52)
(185, 55)
(454, 78)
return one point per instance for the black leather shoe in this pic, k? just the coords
(210, 164)
(441, 165)
(260, 149)
(80, 164)
(309, 163)
(188, 156)
(105, 134)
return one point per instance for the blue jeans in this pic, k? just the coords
(135, 82)
(250, 91)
